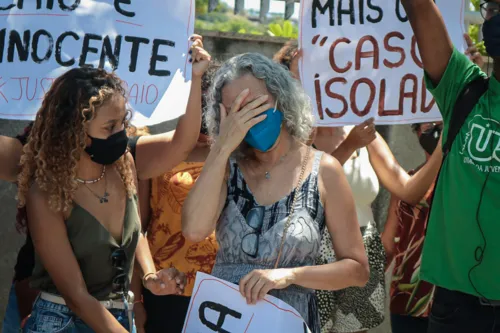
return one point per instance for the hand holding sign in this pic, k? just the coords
(199, 56)
(362, 135)
(217, 306)
(473, 52)
(294, 64)
(256, 284)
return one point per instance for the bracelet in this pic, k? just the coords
(144, 278)
(140, 300)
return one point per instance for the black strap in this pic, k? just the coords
(23, 138)
(132, 145)
(464, 105)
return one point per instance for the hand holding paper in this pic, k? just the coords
(217, 306)
(255, 285)
(362, 135)
(199, 56)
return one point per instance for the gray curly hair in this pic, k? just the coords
(291, 98)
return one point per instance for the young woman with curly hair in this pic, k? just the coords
(78, 185)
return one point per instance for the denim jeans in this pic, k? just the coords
(55, 318)
(12, 319)
(456, 312)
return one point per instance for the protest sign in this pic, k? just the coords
(217, 306)
(361, 60)
(146, 42)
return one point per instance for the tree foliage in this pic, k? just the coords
(474, 29)
(283, 29)
(222, 19)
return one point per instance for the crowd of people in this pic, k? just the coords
(118, 221)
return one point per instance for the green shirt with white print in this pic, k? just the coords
(454, 232)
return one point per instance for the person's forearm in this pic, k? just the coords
(344, 152)
(335, 276)
(188, 128)
(418, 184)
(94, 314)
(136, 285)
(433, 41)
(143, 258)
(199, 213)
(157, 154)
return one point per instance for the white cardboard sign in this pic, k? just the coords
(361, 60)
(145, 41)
(217, 306)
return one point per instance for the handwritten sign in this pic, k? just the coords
(361, 60)
(146, 42)
(217, 306)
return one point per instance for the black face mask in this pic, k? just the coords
(108, 151)
(491, 34)
(430, 138)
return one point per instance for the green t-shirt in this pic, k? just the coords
(453, 233)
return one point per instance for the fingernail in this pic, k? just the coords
(190, 51)
(192, 38)
(162, 285)
(190, 60)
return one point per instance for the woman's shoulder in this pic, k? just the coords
(37, 195)
(329, 170)
(38, 201)
(327, 164)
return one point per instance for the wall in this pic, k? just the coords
(10, 240)
(221, 46)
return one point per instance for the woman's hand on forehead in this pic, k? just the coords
(251, 98)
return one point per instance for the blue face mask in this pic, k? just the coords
(491, 34)
(263, 135)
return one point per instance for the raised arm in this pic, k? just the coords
(395, 179)
(10, 154)
(156, 154)
(51, 242)
(432, 37)
(360, 136)
(163, 282)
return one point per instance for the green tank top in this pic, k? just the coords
(92, 246)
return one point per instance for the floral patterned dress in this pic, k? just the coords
(411, 296)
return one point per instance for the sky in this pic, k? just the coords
(275, 7)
